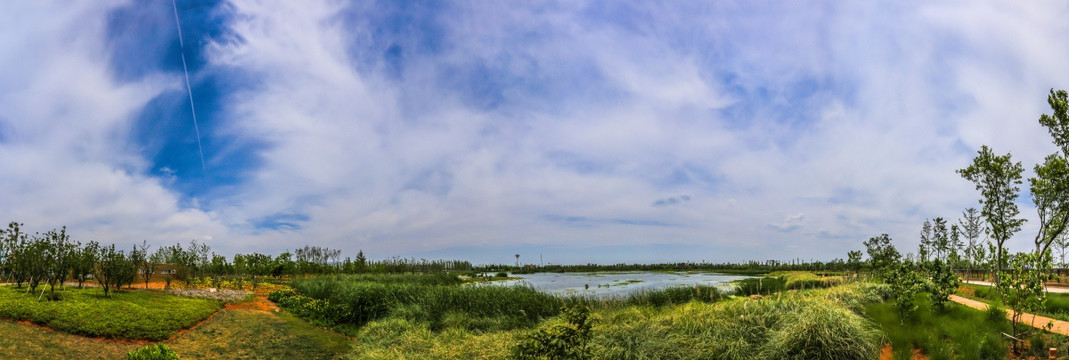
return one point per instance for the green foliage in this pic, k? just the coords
(905, 283)
(112, 269)
(157, 351)
(942, 284)
(854, 260)
(565, 339)
(997, 177)
(1057, 123)
(760, 286)
(881, 253)
(955, 332)
(1022, 284)
(125, 315)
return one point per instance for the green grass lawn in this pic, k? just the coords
(230, 334)
(18, 341)
(956, 332)
(138, 315)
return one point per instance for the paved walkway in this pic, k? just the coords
(1050, 289)
(1060, 327)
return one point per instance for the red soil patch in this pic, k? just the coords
(886, 354)
(259, 303)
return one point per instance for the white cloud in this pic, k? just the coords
(855, 115)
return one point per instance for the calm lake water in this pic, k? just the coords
(608, 284)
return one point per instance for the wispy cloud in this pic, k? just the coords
(418, 128)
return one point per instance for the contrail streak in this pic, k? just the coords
(189, 90)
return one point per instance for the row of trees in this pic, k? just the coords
(1018, 277)
(50, 259)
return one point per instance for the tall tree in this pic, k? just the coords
(971, 227)
(1050, 194)
(1050, 186)
(997, 178)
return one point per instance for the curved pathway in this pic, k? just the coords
(1060, 327)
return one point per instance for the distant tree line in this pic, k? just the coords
(749, 267)
(39, 261)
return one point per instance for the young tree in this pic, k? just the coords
(954, 259)
(1062, 243)
(926, 241)
(160, 257)
(940, 241)
(141, 259)
(84, 262)
(881, 253)
(1022, 289)
(59, 255)
(283, 265)
(19, 260)
(942, 284)
(853, 260)
(361, 262)
(109, 267)
(36, 261)
(997, 177)
(971, 226)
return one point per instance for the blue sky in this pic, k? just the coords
(584, 131)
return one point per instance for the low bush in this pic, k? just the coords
(760, 286)
(156, 351)
(567, 338)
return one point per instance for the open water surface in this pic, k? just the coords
(609, 284)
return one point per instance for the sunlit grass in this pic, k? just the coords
(125, 315)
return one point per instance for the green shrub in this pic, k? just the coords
(674, 295)
(823, 330)
(565, 339)
(760, 286)
(157, 351)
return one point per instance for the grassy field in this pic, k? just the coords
(472, 323)
(230, 334)
(956, 332)
(434, 317)
(137, 315)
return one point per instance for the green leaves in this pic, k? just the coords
(1058, 122)
(567, 339)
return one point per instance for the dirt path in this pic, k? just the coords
(1060, 327)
